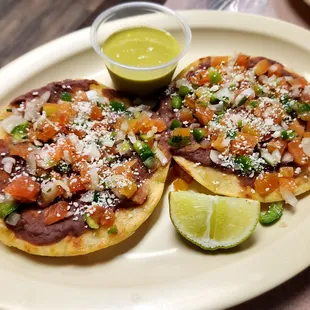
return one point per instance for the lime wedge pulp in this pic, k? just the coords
(213, 222)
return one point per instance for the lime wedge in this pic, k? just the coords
(213, 222)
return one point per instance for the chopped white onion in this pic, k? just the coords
(139, 108)
(277, 155)
(33, 107)
(32, 163)
(239, 77)
(263, 79)
(8, 163)
(131, 136)
(233, 59)
(67, 156)
(76, 142)
(214, 156)
(13, 219)
(92, 95)
(161, 156)
(288, 196)
(194, 125)
(120, 136)
(37, 143)
(94, 179)
(11, 122)
(217, 107)
(182, 82)
(93, 150)
(287, 158)
(295, 93)
(305, 143)
(306, 91)
(124, 126)
(2, 198)
(64, 185)
(249, 92)
(107, 140)
(225, 93)
(270, 159)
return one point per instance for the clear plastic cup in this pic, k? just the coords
(141, 81)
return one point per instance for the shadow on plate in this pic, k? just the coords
(104, 255)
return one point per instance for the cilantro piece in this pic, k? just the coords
(65, 96)
(288, 134)
(244, 162)
(117, 106)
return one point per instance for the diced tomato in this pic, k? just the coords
(300, 81)
(186, 115)
(50, 109)
(189, 102)
(217, 60)
(294, 147)
(288, 183)
(76, 184)
(266, 183)
(140, 195)
(45, 131)
(134, 125)
(277, 144)
(250, 129)
(261, 67)
(201, 77)
(275, 69)
(242, 61)
(295, 125)
(107, 218)
(65, 114)
(180, 185)
(286, 172)
(243, 144)
(159, 124)
(56, 212)
(23, 189)
(128, 190)
(95, 114)
(184, 132)
(219, 144)
(145, 124)
(21, 149)
(204, 114)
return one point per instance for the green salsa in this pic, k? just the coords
(141, 47)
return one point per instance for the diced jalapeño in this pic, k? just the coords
(214, 76)
(20, 132)
(65, 96)
(198, 134)
(274, 213)
(117, 106)
(176, 102)
(179, 141)
(143, 150)
(7, 208)
(91, 222)
(112, 230)
(175, 124)
(184, 90)
(244, 162)
(288, 134)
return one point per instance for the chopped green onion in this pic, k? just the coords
(288, 134)
(9, 110)
(175, 124)
(96, 196)
(258, 89)
(253, 104)
(176, 102)
(20, 132)
(287, 103)
(91, 222)
(273, 214)
(7, 207)
(150, 162)
(178, 141)
(112, 230)
(242, 101)
(65, 96)
(198, 134)
(117, 106)
(143, 150)
(63, 167)
(244, 162)
(184, 90)
(214, 76)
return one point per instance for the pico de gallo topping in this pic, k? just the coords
(249, 116)
(78, 157)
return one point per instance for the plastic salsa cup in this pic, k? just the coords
(140, 80)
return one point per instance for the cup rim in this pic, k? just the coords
(157, 7)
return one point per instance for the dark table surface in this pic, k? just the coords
(26, 24)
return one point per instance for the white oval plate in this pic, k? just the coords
(155, 268)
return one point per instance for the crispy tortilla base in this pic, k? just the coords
(228, 184)
(127, 221)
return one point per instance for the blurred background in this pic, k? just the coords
(26, 24)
